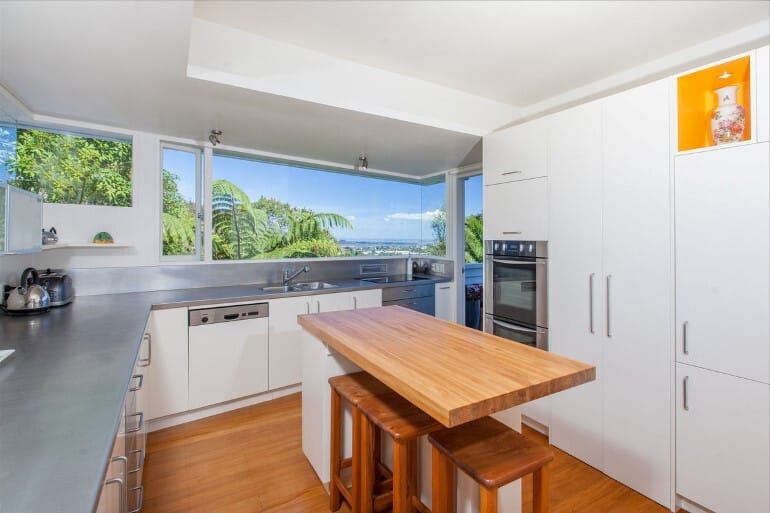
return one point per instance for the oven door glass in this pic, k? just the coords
(514, 294)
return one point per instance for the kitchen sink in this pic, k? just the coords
(299, 287)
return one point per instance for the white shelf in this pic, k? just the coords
(83, 245)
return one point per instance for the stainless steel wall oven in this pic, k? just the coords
(516, 291)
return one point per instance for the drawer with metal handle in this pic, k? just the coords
(407, 292)
(426, 305)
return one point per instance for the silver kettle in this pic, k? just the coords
(30, 296)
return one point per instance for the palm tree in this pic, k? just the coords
(242, 231)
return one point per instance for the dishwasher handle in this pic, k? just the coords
(216, 315)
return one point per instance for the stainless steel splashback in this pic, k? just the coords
(113, 280)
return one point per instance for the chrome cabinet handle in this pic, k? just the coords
(685, 403)
(609, 325)
(591, 302)
(139, 499)
(318, 306)
(684, 338)
(355, 303)
(123, 493)
(510, 173)
(307, 304)
(511, 233)
(139, 459)
(138, 386)
(139, 424)
(444, 288)
(145, 362)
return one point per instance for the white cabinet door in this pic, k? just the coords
(574, 260)
(722, 254)
(284, 337)
(331, 302)
(722, 443)
(637, 281)
(167, 373)
(445, 295)
(366, 298)
(228, 361)
(516, 153)
(763, 93)
(516, 210)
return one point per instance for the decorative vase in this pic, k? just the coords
(472, 313)
(728, 119)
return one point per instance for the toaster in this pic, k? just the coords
(59, 286)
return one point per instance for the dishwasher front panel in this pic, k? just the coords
(227, 361)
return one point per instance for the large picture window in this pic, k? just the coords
(274, 210)
(66, 167)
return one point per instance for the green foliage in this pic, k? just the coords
(178, 218)
(474, 238)
(71, 169)
(438, 225)
(268, 228)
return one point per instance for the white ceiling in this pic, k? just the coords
(520, 52)
(125, 64)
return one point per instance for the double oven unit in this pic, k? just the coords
(516, 291)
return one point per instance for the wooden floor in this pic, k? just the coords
(251, 461)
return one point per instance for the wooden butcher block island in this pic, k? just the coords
(453, 373)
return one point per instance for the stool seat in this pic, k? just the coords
(357, 386)
(397, 417)
(490, 452)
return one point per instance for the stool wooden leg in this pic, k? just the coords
(487, 500)
(367, 464)
(335, 499)
(540, 479)
(443, 483)
(404, 475)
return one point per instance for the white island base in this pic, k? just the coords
(318, 365)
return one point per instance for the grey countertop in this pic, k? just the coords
(62, 391)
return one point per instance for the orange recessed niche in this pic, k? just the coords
(696, 101)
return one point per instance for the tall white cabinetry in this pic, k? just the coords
(722, 203)
(763, 94)
(610, 284)
(168, 372)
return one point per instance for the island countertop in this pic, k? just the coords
(453, 373)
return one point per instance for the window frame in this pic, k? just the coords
(78, 131)
(199, 207)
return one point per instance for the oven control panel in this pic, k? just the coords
(510, 248)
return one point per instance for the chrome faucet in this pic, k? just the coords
(289, 275)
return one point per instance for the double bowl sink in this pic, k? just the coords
(300, 287)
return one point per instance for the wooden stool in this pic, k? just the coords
(492, 454)
(353, 388)
(404, 423)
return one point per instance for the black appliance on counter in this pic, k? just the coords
(516, 291)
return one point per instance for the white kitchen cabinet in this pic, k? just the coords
(284, 340)
(20, 230)
(722, 253)
(445, 298)
(516, 153)
(167, 373)
(226, 367)
(763, 93)
(610, 284)
(285, 333)
(575, 274)
(722, 442)
(638, 289)
(516, 210)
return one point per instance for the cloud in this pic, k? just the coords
(412, 216)
(351, 218)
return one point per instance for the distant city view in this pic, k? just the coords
(386, 247)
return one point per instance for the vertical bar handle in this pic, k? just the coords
(307, 304)
(684, 338)
(145, 362)
(685, 402)
(591, 302)
(355, 303)
(609, 323)
(318, 306)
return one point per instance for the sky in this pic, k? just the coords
(378, 209)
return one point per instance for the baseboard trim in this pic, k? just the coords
(690, 507)
(537, 426)
(216, 409)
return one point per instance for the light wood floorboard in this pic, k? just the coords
(251, 461)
